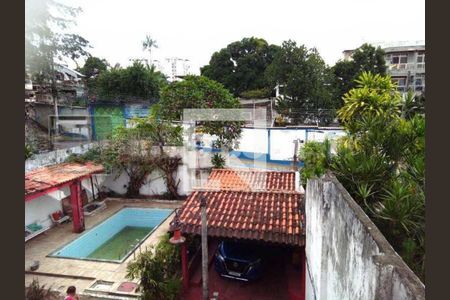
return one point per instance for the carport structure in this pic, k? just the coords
(44, 180)
(255, 205)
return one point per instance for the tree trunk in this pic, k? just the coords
(135, 184)
(172, 187)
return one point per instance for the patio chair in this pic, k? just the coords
(33, 230)
(58, 217)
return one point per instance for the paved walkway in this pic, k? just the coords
(59, 273)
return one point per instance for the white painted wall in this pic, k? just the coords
(282, 143)
(155, 183)
(253, 140)
(39, 209)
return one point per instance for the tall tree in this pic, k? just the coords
(366, 58)
(147, 44)
(304, 77)
(47, 40)
(241, 65)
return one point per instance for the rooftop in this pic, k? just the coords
(54, 176)
(253, 180)
(268, 216)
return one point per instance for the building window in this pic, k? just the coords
(399, 61)
(421, 61)
(401, 83)
(419, 84)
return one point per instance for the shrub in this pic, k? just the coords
(218, 161)
(316, 159)
(158, 271)
(39, 292)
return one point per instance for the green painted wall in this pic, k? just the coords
(106, 119)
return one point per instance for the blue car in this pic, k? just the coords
(239, 260)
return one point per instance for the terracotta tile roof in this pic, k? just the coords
(253, 180)
(45, 178)
(269, 216)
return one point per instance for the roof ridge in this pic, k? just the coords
(251, 170)
(217, 190)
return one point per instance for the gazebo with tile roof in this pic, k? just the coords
(253, 205)
(44, 180)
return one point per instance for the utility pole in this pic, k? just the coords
(204, 247)
(294, 163)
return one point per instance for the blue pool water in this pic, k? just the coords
(105, 232)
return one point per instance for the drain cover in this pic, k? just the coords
(101, 285)
(127, 287)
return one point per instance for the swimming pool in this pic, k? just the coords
(117, 237)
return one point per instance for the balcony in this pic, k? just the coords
(404, 68)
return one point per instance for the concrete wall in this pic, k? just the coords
(54, 157)
(347, 256)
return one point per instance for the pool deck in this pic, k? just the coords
(59, 273)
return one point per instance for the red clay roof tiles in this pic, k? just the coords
(45, 178)
(253, 180)
(256, 205)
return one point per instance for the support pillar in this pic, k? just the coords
(77, 206)
(184, 266)
(178, 239)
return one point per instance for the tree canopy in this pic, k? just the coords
(240, 66)
(137, 81)
(366, 58)
(201, 92)
(304, 77)
(93, 66)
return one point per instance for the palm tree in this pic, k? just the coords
(147, 44)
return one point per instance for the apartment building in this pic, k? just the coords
(405, 62)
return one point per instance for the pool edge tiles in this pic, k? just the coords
(92, 239)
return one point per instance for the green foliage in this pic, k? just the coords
(241, 65)
(148, 43)
(413, 104)
(256, 94)
(316, 159)
(93, 66)
(305, 78)
(365, 59)
(158, 271)
(218, 161)
(202, 92)
(138, 81)
(39, 292)
(374, 96)
(28, 151)
(382, 163)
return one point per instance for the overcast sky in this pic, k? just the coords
(195, 29)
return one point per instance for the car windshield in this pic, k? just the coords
(241, 251)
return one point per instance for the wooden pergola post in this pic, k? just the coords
(77, 206)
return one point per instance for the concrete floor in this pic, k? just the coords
(59, 273)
